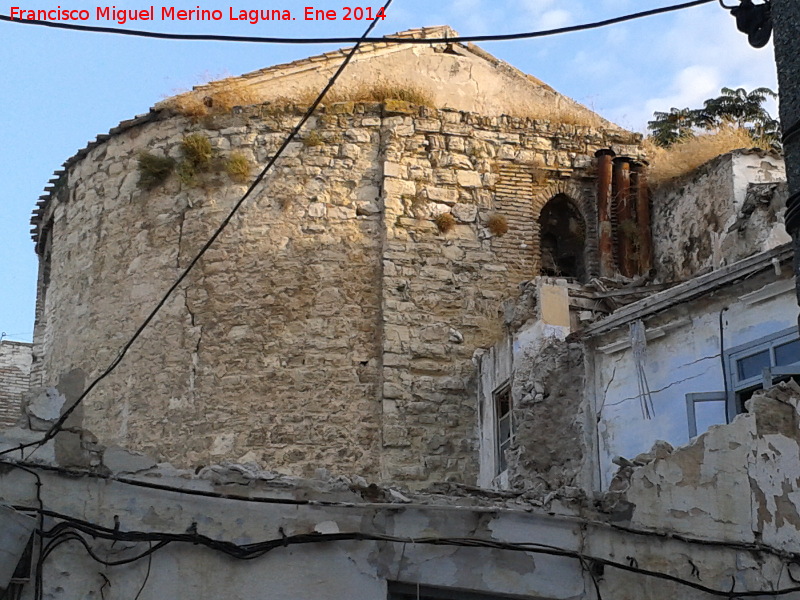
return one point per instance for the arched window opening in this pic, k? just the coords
(562, 239)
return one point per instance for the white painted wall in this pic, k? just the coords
(358, 570)
(685, 359)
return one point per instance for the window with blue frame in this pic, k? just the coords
(759, 364)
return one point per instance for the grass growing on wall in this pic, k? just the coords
(497, 225)
(153, 169)
(197, 150)
(220, 97)
(217, 99)
(238, 167)
(445, 222)
(686, 155)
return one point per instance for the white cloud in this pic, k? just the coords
(684, 60)
(553, 19)
(691, 86)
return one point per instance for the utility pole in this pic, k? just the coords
(786, 23)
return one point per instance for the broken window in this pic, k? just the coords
(562, 239)
(704, 410)
(505, 424)
(761, 363)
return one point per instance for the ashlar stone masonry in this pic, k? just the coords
(333, 323)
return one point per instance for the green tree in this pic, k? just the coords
(668, 127)
(736, 107)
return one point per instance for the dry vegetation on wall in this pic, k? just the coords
(381, 91)
(686, 155)
(218, 99)
(199, 165)
(153, 170)
(197, 158)
(222, 96)
(445, 222)
(238, 167)
(497, 225)
(563, 115)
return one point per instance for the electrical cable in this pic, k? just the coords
(722, 362)
(63, 532)
(743, 546)
(121, 354)
(147, 574)
(363, 39)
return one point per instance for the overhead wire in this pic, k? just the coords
(364, 39)
(186, 491)
(255, 550)
(67, 530)
(56, 427)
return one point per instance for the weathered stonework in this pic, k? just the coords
(333, 323)
(332, 300)
(15, 370)
(728, 209)
(549, 450)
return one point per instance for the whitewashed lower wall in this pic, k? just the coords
(684, 359)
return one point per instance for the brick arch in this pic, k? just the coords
(583, 199)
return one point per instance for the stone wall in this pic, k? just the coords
(15, 370)
(333, 323)
(448, 75)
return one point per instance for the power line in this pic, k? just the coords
(70, 528)
(253, 499)
(357, 40)
(121, 354)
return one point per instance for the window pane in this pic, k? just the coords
(709, 413)
(744, 396)
(504, 428)
(786, 354)
(751, 366)
(503, 401)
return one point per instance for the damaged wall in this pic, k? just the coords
(729, 208)
(735, 482)
(544, 374)
(462, 542)
(15, 373)
(333, 298)
(548, 449)
(683, 356)
(289, 507)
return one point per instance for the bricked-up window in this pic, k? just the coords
(562, 239)
(413, 591)
(505, 424)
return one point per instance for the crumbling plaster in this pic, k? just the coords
(704, 220)
(261, 505)
(682, 356)
(735, 482)
(545, 376)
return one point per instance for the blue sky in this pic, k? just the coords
(60, 89)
